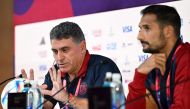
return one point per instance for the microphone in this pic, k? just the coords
(20, 76)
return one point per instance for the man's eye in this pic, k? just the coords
(55, 51)
(146, 28)
(65, 50)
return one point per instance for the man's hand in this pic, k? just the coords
(154, 61)
(57, 86)
(24, 75)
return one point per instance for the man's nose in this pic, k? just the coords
(140, 35)
(60, 55)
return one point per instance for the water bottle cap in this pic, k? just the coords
(116, 77)
(108, 75)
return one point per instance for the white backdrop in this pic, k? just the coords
(112, 34)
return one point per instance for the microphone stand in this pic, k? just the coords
(20, 76)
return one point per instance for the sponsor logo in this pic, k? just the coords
(127, 28)
(127, 81)
(42, 42)
(83, 88)
(42, 67)
(126, 44)
(111, 33)
(142, 57)
(97, 48)
(126, 71)
(97, 33)
(111, 46)
(42, 53)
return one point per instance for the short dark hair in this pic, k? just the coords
(67, 30)
(166, 15)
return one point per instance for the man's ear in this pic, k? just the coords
(168, 31)
(83, 46)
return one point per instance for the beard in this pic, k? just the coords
(150, 50)
(157, 48)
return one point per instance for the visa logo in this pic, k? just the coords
(142, 57)
(127, 29)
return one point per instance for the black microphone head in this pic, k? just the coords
(20, 76)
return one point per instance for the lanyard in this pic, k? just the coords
(77, 88)
(157, 84)
(158, 87)
(76, 92)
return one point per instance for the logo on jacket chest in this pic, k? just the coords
(83, 88)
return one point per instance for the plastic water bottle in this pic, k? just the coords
(34, 96)
(113, 81)
(27, 86)
(118, 97)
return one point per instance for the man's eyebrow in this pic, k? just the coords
(144, 26)
(53, 49)
(59, 48)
